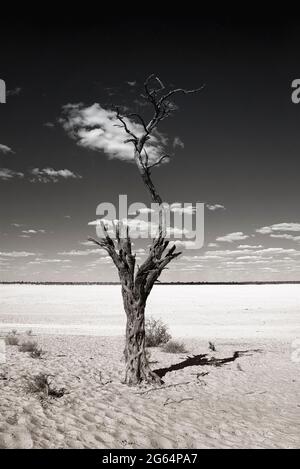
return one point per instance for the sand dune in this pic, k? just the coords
(251, 402)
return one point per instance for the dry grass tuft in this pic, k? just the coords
(174, 347)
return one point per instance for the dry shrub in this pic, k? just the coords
(156, 333)
(174, 347)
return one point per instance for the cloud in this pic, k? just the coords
(33, 232)
(142, 211)
(279, 227)
(98, 129)
(83, 252)
(177, 142)
(17, 254)
(50, 125)
(131, 83)
(249, 246)
(185, 244)
(49, 261)
(5, 149)
(52, 175)
(281, 231)
(285, 236)
(8, 174)
(231, 237)
(215, 207)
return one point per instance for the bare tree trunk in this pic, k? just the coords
(137, 366)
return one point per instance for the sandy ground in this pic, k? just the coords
(255, 312)
(251, 402)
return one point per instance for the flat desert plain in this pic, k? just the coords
(245, 394)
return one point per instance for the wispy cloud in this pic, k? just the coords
(33, 232)
(46, 175)
(98, 129)
(131, 83)
(214, 207)
(5, 149)
(16, 254)
(231, 237)
(81, 252)
(279, 227)
(8, 174)
(281, 231)
(49, 261)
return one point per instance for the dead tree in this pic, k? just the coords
(137, 281)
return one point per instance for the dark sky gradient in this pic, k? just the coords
(241, 136)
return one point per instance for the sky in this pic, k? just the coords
(235, 145)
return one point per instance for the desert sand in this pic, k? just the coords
(252, 401)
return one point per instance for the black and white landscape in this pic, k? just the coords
(166, 341)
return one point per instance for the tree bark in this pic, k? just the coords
(137, 366)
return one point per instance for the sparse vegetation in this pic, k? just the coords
(156, 333)
(28, 346)
(29, 332)
(32, 348)
(174, 347)
(12, 338)
(41, 384)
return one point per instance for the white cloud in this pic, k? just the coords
(279, 227)
(231, 237)
(8, 174)
(83, 252)
(52, 175)
(131, 83)
(185, 244)
(32, 232)
(215, 207)
(5, 149)
(142, 211)
(17, 254)
(49, 261)
(285, 236)
(177, 208)
(281, 231)
(249, 246)
(98, 129)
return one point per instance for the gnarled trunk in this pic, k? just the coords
(137, 366)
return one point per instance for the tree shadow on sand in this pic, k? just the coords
(202, 360)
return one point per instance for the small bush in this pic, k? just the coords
(32, 348)
(174, 347)
(12, 338)
(41, 383)
(156, 333)
(29, 332)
